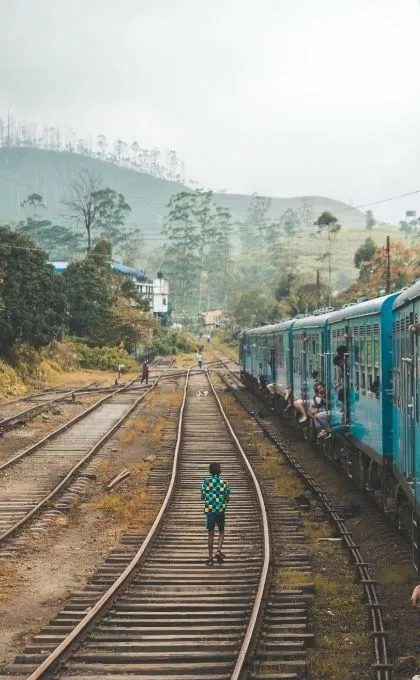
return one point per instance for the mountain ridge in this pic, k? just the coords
(26, 170)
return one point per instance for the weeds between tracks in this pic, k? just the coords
(337, 616)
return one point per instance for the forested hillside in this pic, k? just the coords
(25, 170)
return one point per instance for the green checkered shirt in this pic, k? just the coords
(216, 494)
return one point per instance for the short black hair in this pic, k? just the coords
(215, 468)
(341, 350)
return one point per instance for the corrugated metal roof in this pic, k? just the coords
(272, 328)
(407, 295)
(116, 266)
(366, 308)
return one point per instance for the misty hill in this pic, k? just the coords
(25, 170)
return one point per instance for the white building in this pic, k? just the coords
(160, 296)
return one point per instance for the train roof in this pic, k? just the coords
(271, 328)
(407, 295)
(312, 321)
(366, 308)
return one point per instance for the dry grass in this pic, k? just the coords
(293, 577)
(85, 376)
(156, 432)
(135, 427)
(336, 608)
(129, 507)
(315, 530)
(403, 574)
(7, 575)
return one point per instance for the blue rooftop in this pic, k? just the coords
(116, 266)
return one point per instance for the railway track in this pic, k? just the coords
(19, 411)
(383, 667)
(31, 480)
(163, 613)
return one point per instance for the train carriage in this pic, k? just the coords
(267, 351)
(405, 410)
(368, 355)
(365, 331)
(309, 349)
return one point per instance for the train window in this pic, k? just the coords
(369, 358)
(281, 351)
(376, 346)
(362, 358)
(356, 348)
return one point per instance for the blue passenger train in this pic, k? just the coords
(364, 361)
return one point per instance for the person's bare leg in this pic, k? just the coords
(220, 541)
(300, 407)
(210, 542)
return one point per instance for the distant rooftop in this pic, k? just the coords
(116, 266)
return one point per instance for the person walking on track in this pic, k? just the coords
(145, 373)
(199, 360)
(215, 493)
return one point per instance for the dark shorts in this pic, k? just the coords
(215, 518)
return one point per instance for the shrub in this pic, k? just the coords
(102, 358)
(173, 340)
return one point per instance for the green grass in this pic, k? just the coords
(310, 247)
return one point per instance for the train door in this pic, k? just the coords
(273, 359)
(408, 405)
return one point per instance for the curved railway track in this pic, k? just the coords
(383, 667)
(32, 479)
(163, 613)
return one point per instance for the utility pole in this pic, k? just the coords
(388, 265)
(318, 289)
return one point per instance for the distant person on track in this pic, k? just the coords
(145, 373)
(215, 493)
(200, 360)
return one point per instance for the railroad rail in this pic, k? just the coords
(12, 413)
(163, 613)
(36, 475)
(383, 667)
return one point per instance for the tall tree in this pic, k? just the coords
(112, 211)
(218, 261)
(181, 252)
(32, 296)
(34, 202)
(252, 230)
(328, 224)
(96, 208)
(365, 252)
(81, 204)
(370, 220)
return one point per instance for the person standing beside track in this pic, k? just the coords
(215, 493)
(145, 373)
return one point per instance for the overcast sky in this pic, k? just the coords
(282, 97)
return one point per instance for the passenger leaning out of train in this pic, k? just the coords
(415, 597)
(306, 406)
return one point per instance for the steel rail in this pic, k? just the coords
(382, 667)
(62, 653)
(96, 610)
(18, 525)
(69, 423)
(7, 423)
(263, 582)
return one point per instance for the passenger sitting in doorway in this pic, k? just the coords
(305, 406)
(262, 380)
(375, 387)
